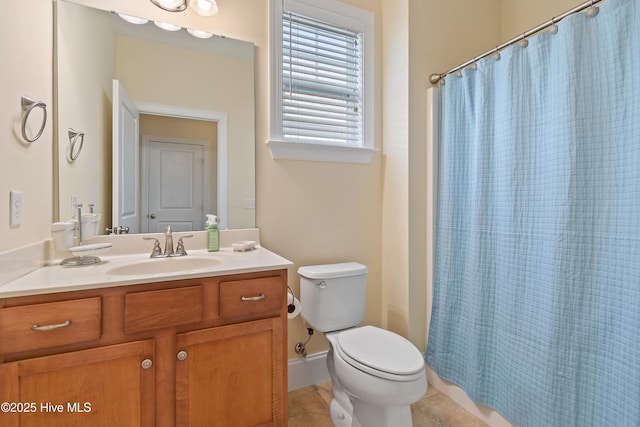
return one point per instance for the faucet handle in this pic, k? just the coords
(156, 251)
(180, 250)
(117, 230)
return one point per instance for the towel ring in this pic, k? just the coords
(28, 105)
(75, 137)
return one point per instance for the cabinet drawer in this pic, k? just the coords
(253, 297)
(164, 308)
(37, 326)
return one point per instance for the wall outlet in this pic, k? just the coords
(250, 203)
(15, 203)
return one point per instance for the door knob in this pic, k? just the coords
(152, 216)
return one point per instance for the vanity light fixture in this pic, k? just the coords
(171, 5)
(167, 27)
(199, 33)
(204, 7)
(201, 7)
(133, 19)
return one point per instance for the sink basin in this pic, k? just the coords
(164, 265)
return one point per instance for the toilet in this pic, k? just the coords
(375, 374)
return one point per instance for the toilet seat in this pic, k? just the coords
(380, 353)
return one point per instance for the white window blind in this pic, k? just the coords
(321, 82)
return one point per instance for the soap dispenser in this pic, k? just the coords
(213, 234)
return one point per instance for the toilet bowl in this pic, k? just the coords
(375, 374)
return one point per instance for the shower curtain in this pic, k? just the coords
(536, 307)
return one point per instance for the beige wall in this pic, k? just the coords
(420, 38)
(395, 207)
(26, 70)
(519, 16)
(317, 213)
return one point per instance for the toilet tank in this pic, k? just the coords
(333, 296)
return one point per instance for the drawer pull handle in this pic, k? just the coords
(50, 327)
(182, 355)
(256, 298)
(146, 364)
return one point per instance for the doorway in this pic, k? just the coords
(178, 172)
(173, 184)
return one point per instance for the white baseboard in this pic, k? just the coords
(309, 371)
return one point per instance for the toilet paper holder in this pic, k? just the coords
(290, 306)
(294, 307)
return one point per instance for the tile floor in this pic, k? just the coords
(309, 407)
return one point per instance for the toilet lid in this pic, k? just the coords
(380, 352)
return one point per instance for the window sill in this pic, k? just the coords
(320, 152)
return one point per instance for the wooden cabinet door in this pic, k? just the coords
(232, 376)
(99, 387)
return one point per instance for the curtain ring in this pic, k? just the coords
(28, 105)
(523, 41)
(496, 54)
(75, 137)
(592, 10)
(553, 28)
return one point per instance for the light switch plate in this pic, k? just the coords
(15, 203)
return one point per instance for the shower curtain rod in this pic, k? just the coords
(435, 78)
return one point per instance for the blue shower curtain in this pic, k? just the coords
(536, 307)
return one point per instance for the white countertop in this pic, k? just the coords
(57, 278)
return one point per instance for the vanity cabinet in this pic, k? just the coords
(197, 352)
(100, 387)
(225, 376)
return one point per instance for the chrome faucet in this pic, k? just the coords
(156, 252)
(168, 242)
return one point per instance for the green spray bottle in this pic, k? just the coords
(213, 234)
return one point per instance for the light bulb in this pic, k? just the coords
(204, 7)
(133, 19)
(199, 33)
(167, 27)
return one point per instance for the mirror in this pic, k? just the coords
(204, 86)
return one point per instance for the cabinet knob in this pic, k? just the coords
(182, 355)
(146, 364)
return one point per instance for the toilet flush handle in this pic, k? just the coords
(322, 284)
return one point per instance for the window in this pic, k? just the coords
(322, 94)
